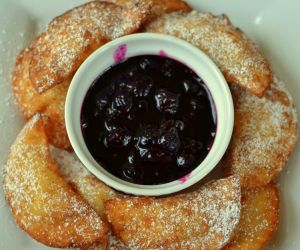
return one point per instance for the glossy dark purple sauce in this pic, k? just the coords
(148, 120)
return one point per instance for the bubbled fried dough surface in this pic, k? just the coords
(70, 38)
(167, 6)
(238, 58)
(204, 219)
(258, 221)
(159, 7)
(42, 202)
(50, 103)
(113, 243)
(264, 135)
(91, 189)
(259, 218)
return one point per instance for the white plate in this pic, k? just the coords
(273, 24)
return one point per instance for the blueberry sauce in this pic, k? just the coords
(148, 120)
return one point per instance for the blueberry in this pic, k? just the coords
(101, 102)
(179, 125)
(154, 144)
(117, 138)
(156, 155)
(102, 98)
(143, 106)
(145, 63)
(190, 86)
(149, 144)
(188, 71)
(121, 105)
(119, 83)
(101, 136)
(185, 160)
(109, 125)
(147, 136)
(196, 105)
(173, 123)
(213, 133)
(168, 68)
(131, 158)
(129, 172)
(84, 124)
(132, 71)
(131, 116)
(193, 86)
(192, 146)
(169, 141)
(122, 102)
(187, 156)
(139, 85)
(97, 113)
(143, 153)
(167, 124)
(166, 101)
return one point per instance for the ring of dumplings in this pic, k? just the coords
(94, 216)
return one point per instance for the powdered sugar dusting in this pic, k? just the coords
(237, 57)
(264, 135)
(259, 218)
(75, 172)
(60, 50)
(196, 220)
(116, 244)
(39, 198)
(70, 166)
(91, 189)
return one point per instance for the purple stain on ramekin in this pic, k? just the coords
(120, 53)
(184, 178)
(163, 53)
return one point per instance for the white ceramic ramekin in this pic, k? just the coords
(150, 44)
